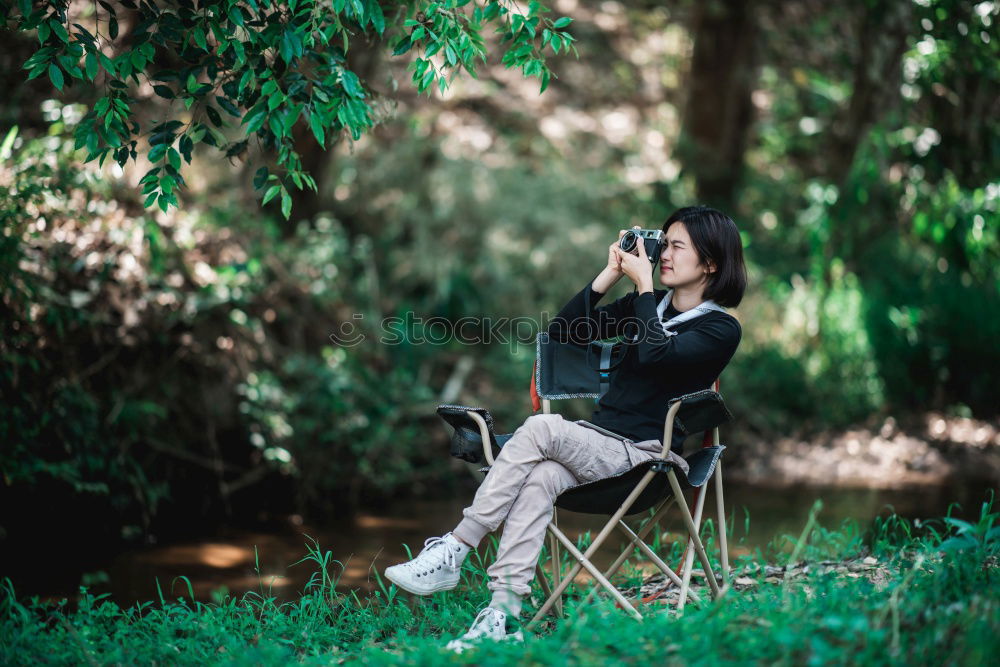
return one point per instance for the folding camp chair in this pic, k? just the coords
(563, 370)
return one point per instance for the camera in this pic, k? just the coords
(652, 240)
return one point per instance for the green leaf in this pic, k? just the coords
(165, 92)
(402, 46)
(291, 115)
(286, 203)
(246, 80)
(59, 30)
(428, 78)
(186, 146)
(286, 48)
(199, 38)
(241, 55)
(213, 115)
(563, 22)
(37, 71)
(43, 32)
(377, 18)
(316, 123)
(56, 76)
(260, 178)
(961, 526)
(90, 63)
(157, 152)
(174, 158)
(113, 27)
(107, 63)
(228, 106)
(351, 84)
(235, 15)
(271, 193)
(255, 118)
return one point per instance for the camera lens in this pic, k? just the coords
(627, 242)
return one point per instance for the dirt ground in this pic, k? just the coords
(934, 449)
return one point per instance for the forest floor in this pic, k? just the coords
(901, 593)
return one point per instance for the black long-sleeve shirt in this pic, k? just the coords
(655, 367)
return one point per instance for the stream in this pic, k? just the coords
(238, 561)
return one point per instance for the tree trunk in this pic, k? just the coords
(882, 43)
(719, 110)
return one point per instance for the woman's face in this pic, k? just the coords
(679, 263)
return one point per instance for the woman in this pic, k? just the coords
(679, 340)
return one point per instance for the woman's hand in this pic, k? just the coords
(636, 266)
(614, 263)
(612, 273)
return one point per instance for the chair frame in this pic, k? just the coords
(561, 582)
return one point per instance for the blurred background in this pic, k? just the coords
(171, 402)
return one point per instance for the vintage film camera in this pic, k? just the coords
(652, 240)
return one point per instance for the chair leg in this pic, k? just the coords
(556, 562)
(693, 532)
(723, 538)
(657, 515)
(699, 510)
(651, 555)
(543, 581)
(583, 559)
(637, 540)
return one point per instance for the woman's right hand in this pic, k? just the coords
(614, 263)
(613, 271)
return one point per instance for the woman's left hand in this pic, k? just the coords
(637, 267)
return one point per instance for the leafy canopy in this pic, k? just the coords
(234, 71)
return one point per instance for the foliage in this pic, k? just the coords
(116, 331)
(269, 66)
(927, 605)
(893, 265)
(981, 538)
(179, 364)
(53, 425)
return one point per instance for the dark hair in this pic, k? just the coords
(716, 240)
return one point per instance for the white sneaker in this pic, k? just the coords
(436, 568)
(490, 624)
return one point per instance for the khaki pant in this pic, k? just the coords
(544, 457)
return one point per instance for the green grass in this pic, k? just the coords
(935, 602)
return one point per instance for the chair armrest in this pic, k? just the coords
(693, 413)
(485, 433)
(668, 428)
(473, 432)
(702, 464)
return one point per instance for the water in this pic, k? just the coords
(239, 561)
